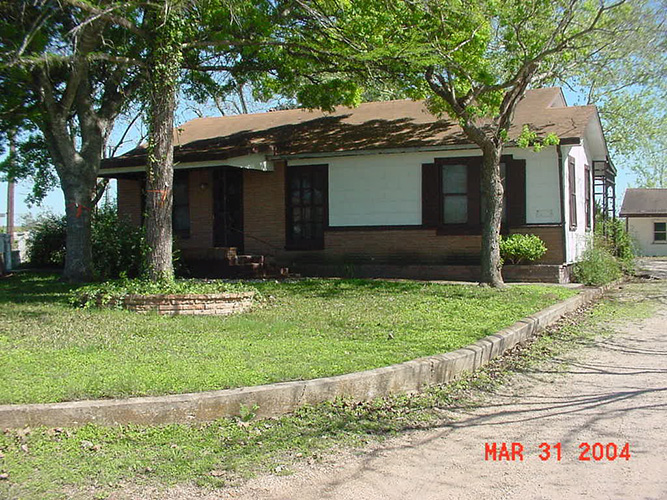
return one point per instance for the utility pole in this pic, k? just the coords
(11, 186)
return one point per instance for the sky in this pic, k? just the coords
(54, 202)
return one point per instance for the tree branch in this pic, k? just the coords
(106, 14)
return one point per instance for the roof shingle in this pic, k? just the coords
(643, 202)
(370, 126)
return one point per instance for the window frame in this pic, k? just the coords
(184, 233)
(572, 188)
(444, 196)
(473, 224)
(663, 232)
(587, 198)
(313, 244)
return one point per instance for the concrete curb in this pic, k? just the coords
(281, 398)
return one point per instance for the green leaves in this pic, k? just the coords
(529, 138)
(520, 248)
(329, 94)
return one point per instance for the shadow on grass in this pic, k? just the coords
(332, 288)
(26, 287)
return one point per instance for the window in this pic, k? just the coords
(572, 183)
(306, 206)
(181, 206)
(451, 194)
(660, 232)
(454, 194)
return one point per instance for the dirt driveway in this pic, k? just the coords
(614, 391)
(656, 268)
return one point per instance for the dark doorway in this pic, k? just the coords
(306, 206)
(228, 207)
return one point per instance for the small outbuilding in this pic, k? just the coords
(645, 212)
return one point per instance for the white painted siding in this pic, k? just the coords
(542, 189)
(641, 231)
(385, 189)
(576, 240)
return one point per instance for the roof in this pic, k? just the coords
(370, 126)
(644, 202)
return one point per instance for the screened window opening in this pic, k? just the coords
(454, 194)
(660, 232)
(181, 206)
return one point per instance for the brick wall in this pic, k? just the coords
(200, 191)
(129, 200)
(264, 211)
(219, 304)
(264, 227)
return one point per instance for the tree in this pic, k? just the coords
(184, 42)
(472, 60)
(61, 90)
(628, 83)
(72, 66)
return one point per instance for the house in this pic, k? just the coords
(645, 212)
(384, 189)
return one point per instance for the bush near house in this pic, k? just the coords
(610, 255)
(598, 266)
(522, 248)
(616, 240)
(118, 247)
(46, 245)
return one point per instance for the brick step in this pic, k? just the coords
(241, 260)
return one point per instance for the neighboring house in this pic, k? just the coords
(645, 212)
(384, 184)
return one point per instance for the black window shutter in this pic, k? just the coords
(430, 195)
(516, 192)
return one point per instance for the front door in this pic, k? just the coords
(306, 204)
(228, 207)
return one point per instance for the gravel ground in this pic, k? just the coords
(613, 391)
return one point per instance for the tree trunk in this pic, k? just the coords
(166, 31)
(159, 196)
(492, 209)
(78, 256)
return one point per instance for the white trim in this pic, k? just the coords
(392, 151)
(252, 162)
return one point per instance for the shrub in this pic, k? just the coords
(598, 266)
(519, 248)
(611, 234)
(117, 246)
(46, 242)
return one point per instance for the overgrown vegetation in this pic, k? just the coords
(304, 329)
(113, 291)
(609, 256)
(94, 461)
(46, 243)
(118, 247)
(520, 248)
(616, 239)
(597, 266)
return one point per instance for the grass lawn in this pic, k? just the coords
(95, 462)
(51, 351)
